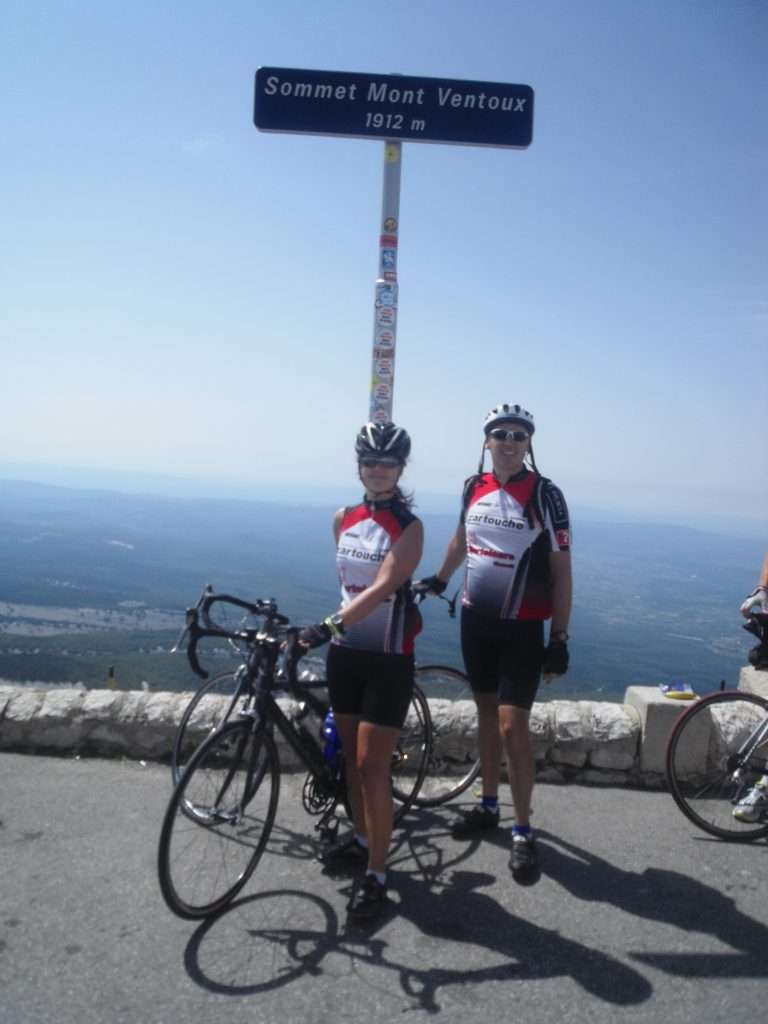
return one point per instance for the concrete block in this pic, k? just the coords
(20, 711)
(753, 681)
(542, 728)
(658, 715)
(58, 723)
(570, 744)
(456, 738)
(614, 731)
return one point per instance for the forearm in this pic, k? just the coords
(360, 607)
(455, 555)
(562, 592)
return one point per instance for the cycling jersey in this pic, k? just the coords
(366, 535)
(511, 530)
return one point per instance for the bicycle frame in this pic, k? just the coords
(741, 759)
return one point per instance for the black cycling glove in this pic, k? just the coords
(315, 636)
(429, 585)
(555, 658)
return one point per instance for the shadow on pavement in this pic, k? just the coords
(269, 940)
(668, 897)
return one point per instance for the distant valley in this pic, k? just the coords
(97, 580)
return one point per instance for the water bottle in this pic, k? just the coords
(331, 737)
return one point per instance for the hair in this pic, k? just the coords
(404, 497)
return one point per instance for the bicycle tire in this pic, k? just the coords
(215, 714)
(218, 820)
(449, 774)
(701, 762)
(410, 760)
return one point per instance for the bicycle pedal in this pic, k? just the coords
(328, 832)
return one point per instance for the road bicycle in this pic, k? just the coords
(717, 751)
(450, 768)
(223, 807)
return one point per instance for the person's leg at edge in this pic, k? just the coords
(516, 737)
(375, 746)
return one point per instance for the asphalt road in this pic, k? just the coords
(637, 917)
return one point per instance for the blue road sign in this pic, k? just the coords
(396, 107)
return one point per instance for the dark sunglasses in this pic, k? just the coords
(508, 435)
(370, 460)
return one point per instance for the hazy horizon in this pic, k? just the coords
(334, 494)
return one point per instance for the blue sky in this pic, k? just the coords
(182, 295)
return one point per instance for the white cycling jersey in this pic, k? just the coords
(510, 530)
(366, 535)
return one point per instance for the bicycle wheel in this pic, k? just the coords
(707, 770)
(454, 761)
(218, 820)
(410, 759)
(211, 706)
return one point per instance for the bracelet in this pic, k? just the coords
(335, 624)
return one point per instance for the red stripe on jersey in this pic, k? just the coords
(389, 522)
(520, 490)
(353, 516)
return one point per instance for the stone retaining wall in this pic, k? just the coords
(594, 742)
(591, 742)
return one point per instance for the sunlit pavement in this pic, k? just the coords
(637, 915)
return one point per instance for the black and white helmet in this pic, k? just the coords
(384, 442)
(508, 414)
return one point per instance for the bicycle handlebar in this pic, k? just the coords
(193, 631)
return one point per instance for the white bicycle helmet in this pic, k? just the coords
(508, 414)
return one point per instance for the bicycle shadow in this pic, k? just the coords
(668, 897)
(275, 938)
(424, 839)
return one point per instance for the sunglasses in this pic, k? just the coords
(508, 435)
(373, 461)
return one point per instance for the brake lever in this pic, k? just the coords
(422, 595)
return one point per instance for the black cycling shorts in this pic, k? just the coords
(503, 656)
(375, 686)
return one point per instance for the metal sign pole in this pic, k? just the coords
(393, 108)
(385, 304)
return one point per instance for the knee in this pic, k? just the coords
(514, 727)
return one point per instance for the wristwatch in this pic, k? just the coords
(559, 634)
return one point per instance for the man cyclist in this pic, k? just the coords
(513, 539)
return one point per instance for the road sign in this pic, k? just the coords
(397, 107)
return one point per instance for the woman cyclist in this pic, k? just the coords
(513, 538)
(370, 665)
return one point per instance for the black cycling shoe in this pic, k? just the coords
(479, 819)
(344, 853)
(524, 859)
(368, 900)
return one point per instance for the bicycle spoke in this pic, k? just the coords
(716, 753)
